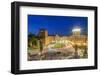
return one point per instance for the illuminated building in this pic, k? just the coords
(76, 37)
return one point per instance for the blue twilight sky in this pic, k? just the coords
(61, 25)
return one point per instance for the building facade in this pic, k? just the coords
(76, 37)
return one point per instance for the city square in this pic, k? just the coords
(57, 46)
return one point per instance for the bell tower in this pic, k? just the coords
(43, 34)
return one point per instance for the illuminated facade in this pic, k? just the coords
(76, 37)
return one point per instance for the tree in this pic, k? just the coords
(32, 41)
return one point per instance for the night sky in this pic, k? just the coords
(61, 25)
